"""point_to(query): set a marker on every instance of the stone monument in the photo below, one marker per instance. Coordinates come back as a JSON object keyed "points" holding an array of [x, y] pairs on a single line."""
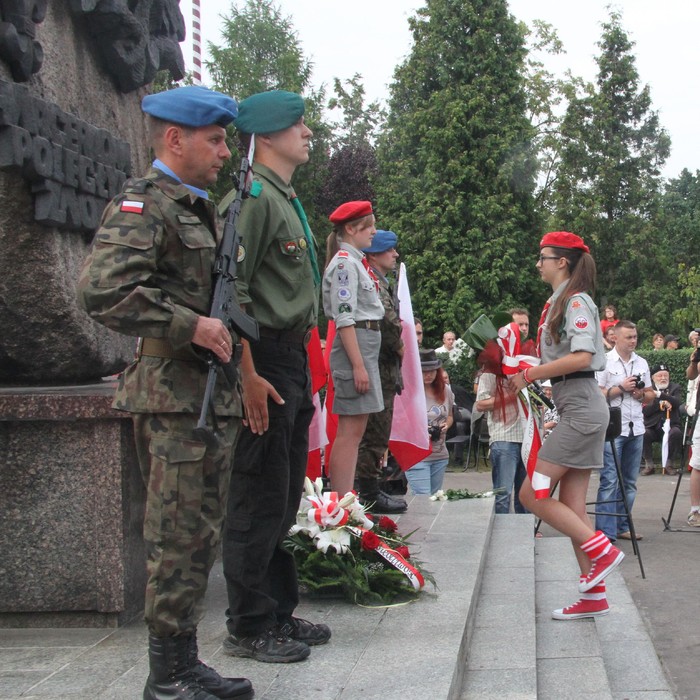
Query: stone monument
{"points": [[72, 76]]}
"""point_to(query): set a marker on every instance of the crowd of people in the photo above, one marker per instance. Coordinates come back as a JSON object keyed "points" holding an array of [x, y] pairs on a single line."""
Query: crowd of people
{"points": [[150, 274]]}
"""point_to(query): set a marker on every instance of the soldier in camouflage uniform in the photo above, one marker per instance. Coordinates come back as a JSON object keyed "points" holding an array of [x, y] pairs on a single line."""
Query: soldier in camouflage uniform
{"points": [[382, 257], [149, 274]]}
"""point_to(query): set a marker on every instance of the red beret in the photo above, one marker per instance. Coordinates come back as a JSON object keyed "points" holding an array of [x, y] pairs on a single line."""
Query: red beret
{"points": [[351, 211], [563, 239]]}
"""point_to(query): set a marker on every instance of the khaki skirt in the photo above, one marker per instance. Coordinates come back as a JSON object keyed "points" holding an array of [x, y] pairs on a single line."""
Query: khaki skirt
{"points": [[347, 401], [579, 438]]}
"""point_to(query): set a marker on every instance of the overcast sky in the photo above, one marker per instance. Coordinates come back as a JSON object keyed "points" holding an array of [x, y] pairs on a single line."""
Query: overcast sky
{"points": [[371, 37]]}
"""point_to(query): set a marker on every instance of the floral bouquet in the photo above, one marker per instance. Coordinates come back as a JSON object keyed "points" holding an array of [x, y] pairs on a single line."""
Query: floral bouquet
{"points": [[340, 549]]}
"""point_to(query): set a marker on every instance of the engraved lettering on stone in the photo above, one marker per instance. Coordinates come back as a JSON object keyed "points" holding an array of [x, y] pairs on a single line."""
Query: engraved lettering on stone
{"points": [[74, 167]]}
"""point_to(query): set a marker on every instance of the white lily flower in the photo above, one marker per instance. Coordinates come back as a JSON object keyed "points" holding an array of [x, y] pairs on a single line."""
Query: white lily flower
{"points": [[308, 486], [347, 500], [337, 538], [318, 486]]}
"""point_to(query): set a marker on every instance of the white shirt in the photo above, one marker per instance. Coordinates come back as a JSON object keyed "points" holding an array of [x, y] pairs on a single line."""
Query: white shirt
{"points": [[615, 372]]}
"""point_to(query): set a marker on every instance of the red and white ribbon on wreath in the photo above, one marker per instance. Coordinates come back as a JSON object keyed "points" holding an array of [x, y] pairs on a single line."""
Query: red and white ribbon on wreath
{"points": [[327, 512], [395, 559], [512, 363]]}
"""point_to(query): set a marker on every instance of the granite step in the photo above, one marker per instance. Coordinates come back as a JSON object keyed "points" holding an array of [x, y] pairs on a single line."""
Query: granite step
{"points": [[607, 657]]}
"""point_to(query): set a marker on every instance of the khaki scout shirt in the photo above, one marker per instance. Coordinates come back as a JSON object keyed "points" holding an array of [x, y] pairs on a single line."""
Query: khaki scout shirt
{"points": [[580, 331], [349, 293], [149, 274], [275, 278]]}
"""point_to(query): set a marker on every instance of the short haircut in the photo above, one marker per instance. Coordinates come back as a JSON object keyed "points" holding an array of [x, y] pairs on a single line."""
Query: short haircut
{"points": [[518, 310], [625, 324]]}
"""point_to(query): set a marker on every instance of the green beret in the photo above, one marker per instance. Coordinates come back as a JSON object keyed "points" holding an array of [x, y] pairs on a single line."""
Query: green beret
{"points": [[267, 112], [191, 105]]}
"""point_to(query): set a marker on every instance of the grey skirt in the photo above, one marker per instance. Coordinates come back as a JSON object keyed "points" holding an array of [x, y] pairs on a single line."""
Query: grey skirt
{"points": [[347, 401], [579, 438]]}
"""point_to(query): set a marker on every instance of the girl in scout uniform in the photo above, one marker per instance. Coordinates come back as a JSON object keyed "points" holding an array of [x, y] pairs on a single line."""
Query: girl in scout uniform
{"points": [[351, 300], [570, 343]]}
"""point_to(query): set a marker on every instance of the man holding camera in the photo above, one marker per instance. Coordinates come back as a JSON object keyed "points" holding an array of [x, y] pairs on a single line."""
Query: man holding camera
{"points": [[666, 401], [625, 381]]}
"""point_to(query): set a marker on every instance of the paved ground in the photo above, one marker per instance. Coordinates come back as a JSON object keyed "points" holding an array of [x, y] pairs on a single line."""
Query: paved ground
{"points": [[665, 598]]}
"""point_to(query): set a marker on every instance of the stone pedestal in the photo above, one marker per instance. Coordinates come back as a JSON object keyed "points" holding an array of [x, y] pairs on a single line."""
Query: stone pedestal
{"points": [[71, 509]]}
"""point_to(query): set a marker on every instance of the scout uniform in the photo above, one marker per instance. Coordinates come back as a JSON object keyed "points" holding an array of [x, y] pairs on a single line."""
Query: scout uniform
{"points": [[149, 274], [376, 437], [579, 438], [351, 298], [278, 284]]}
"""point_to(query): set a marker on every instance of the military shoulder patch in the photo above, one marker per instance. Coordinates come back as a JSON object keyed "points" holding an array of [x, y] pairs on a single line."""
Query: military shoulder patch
{"points": [[131, 206], [581, 322], [256, 188], [240, 256], [343, 254]]}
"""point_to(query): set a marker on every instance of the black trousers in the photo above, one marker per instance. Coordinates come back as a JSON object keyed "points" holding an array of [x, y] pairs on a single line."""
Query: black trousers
{"points": [[675, 440], [267, 480]]}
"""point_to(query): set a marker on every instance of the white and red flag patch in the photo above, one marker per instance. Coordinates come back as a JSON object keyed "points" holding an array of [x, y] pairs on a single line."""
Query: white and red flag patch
{"points": [[131, 206]]}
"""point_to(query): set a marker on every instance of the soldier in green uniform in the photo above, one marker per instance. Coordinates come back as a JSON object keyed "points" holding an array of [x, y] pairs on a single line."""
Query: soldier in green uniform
{"points": [[278, 284], [149, 274], [382, 257]]}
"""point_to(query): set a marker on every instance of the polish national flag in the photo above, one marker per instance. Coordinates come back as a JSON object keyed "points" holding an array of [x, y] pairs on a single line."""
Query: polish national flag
{"points": [[317, 431], [409, 442]]}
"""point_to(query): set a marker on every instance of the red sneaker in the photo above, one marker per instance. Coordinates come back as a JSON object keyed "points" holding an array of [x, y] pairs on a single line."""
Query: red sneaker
{"points": [[601, 567], [583, 608]]}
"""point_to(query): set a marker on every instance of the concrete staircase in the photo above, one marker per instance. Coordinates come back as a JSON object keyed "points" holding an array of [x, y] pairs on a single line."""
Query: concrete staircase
{"points": [[518, 651]]}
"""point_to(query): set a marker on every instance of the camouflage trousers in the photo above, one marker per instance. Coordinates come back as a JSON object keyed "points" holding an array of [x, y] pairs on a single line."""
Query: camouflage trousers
{"points": [[376, 437], [186, 490]]}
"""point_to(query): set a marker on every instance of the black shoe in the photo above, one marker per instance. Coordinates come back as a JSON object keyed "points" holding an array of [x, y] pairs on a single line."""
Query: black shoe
{"points": [[270, 647], [305, 631], [383, 503], [211, 681], [377, 501], [171, 676]]}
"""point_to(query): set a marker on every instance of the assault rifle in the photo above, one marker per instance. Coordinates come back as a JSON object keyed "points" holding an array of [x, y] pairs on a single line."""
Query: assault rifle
{"points": [[225, 306]]}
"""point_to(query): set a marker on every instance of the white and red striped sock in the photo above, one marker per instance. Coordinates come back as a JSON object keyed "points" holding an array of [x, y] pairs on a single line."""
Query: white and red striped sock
{"points": [[595, 593], [596, 546]]}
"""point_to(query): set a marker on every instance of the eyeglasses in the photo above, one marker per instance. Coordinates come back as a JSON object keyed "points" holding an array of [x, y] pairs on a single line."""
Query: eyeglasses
{"points": [[542, 258]]}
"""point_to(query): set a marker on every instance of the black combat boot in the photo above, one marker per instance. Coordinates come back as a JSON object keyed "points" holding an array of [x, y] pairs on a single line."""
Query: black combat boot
{"points": [[171, 676], [375, 500], [210, 680]]}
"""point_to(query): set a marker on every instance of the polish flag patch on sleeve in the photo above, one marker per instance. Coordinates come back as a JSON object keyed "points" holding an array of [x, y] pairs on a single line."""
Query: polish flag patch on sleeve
{"points": [[131, 206]]}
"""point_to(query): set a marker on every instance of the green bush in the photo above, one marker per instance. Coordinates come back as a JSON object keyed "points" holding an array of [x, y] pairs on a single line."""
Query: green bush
{"points": [[677, 361]]}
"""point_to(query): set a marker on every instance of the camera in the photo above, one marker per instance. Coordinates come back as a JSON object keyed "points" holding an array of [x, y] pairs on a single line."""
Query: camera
{"points": [[434, 431], [638, 381]]}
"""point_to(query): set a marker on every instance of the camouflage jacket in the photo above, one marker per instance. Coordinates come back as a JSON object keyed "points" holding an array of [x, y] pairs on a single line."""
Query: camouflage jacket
{"points": [[149, 274], [389, 358]]}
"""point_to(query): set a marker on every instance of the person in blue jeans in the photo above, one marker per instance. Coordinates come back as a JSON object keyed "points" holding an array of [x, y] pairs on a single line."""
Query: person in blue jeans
{"points": [[626, 383], [505, 441]]}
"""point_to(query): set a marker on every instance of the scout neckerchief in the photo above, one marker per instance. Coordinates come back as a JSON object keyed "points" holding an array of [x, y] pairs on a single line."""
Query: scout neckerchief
{"points": [[541, 325], [309, 238], [370, 272]]}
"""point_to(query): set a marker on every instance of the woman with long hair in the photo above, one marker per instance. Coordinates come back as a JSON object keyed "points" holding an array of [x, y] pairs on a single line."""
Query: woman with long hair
{"points": [[570, 344], [427, 476], [351, 300]]}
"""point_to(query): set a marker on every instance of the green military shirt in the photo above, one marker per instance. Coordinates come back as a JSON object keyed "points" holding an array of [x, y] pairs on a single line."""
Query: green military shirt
{"points": [[149, 274], [275, 277]]}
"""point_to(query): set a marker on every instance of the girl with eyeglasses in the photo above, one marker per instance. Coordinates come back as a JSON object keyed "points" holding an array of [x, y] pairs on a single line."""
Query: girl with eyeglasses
{"points": [[570, 344]]}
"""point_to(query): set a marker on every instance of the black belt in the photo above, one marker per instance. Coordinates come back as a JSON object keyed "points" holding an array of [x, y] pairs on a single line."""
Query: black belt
{"points": [[573, 375], [283, 336], [369, 325]]}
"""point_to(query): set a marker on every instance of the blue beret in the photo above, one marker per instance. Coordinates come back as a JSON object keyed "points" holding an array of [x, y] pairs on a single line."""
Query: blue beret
{"points": [[267, 112], [382, 241], [192, 105]]}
